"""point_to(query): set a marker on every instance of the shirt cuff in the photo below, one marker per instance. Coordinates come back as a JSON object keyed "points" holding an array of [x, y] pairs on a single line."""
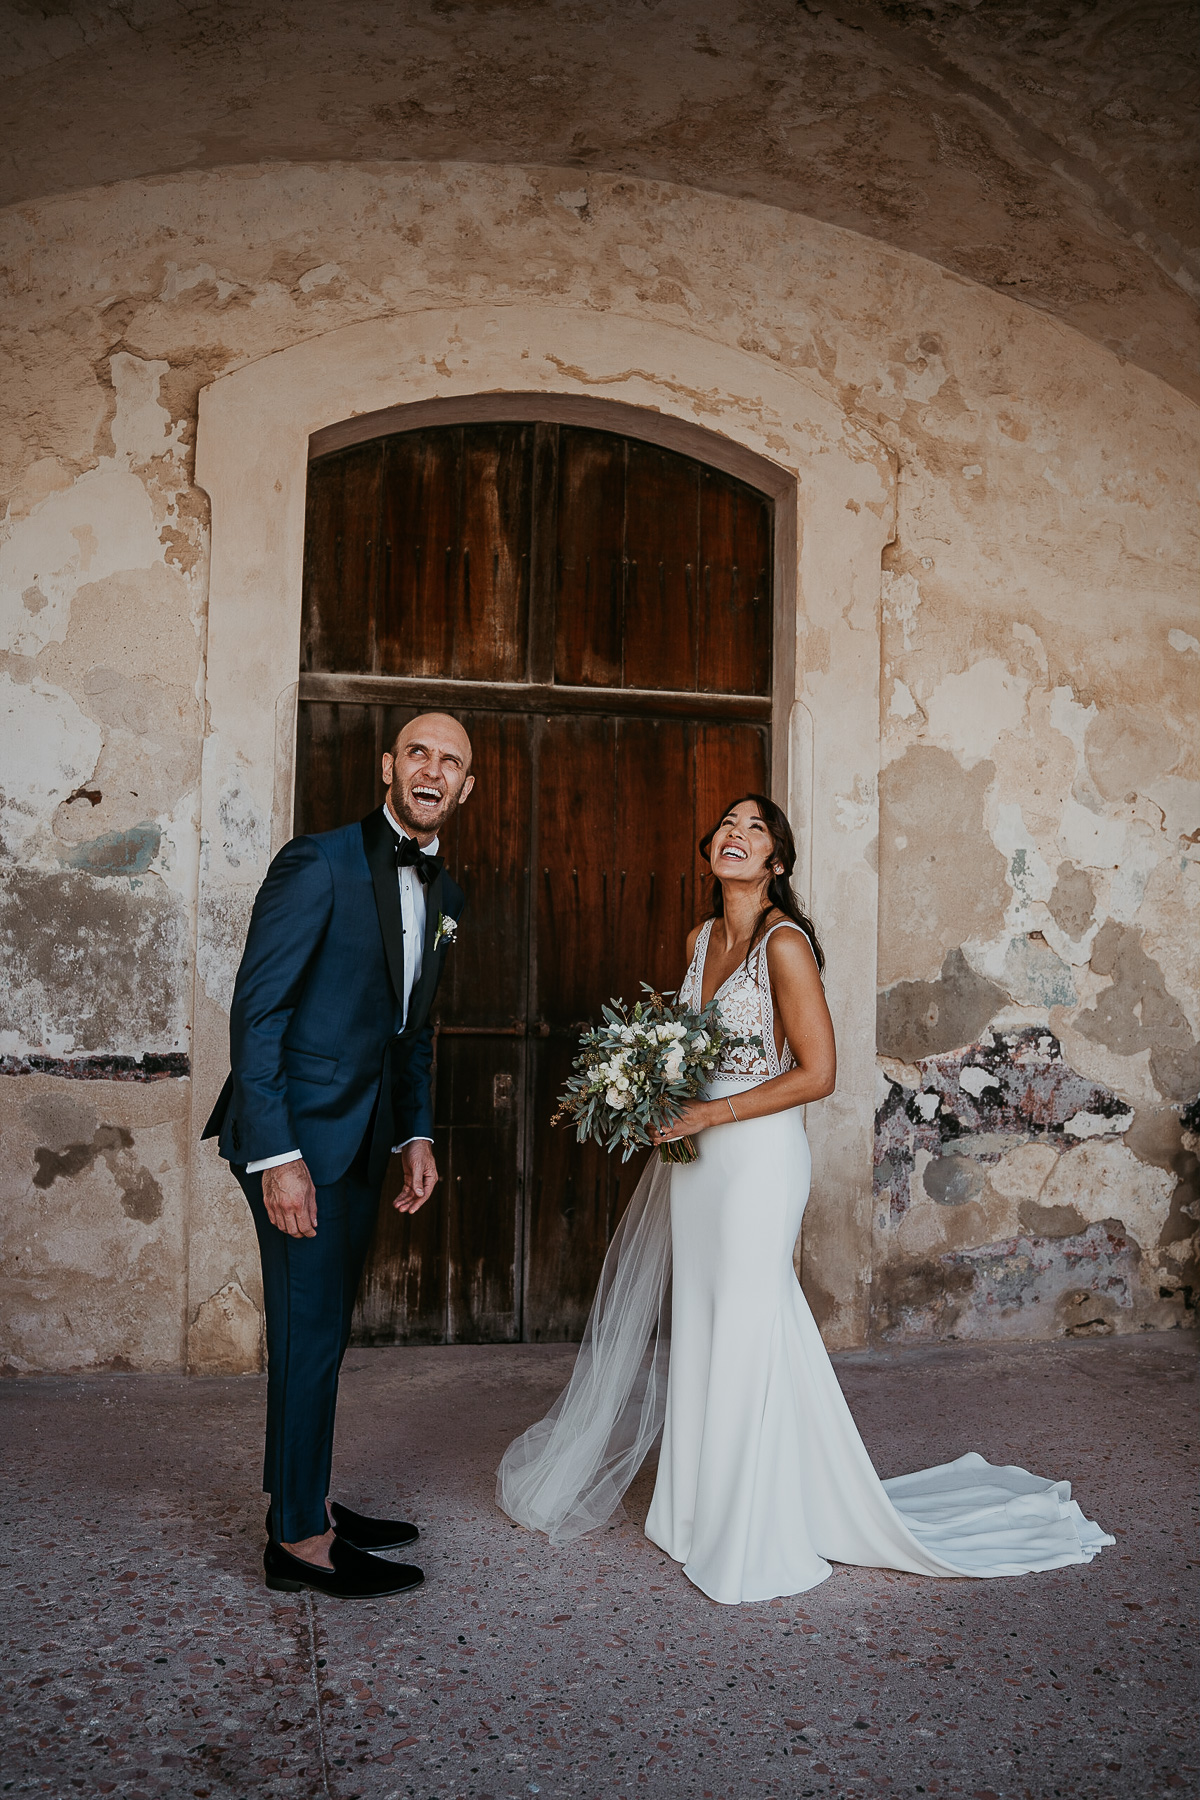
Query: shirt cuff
{"points": [[397, 1148], [275, 1162]]}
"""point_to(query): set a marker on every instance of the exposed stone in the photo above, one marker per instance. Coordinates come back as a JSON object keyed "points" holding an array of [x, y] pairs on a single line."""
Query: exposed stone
{"points": [[1051, 1221], [1157, 1136], [1097, 1178], [175, 1065], [1084, 1312], [952, 1180], [991, 1163], [924, 1299], [226, 1334], [1050, 1277]]}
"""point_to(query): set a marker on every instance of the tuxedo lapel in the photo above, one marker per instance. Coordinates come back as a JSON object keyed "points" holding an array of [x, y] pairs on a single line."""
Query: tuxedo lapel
{"points": [[379, 842], [422, 995]]}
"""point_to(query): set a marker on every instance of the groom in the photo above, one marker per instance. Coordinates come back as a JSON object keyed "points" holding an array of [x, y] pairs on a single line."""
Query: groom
{"points": [[331, 1052]]}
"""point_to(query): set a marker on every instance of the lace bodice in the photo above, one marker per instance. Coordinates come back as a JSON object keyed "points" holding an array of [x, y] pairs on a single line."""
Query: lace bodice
{"points": [[744, 1002]]}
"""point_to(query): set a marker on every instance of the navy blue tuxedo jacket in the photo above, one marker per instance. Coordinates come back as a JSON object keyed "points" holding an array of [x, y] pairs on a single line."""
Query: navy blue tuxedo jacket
{"points": [[315, 1036]]}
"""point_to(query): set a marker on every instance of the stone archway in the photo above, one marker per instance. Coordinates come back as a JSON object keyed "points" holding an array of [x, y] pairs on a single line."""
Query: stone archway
{"points": [[834, 492]]}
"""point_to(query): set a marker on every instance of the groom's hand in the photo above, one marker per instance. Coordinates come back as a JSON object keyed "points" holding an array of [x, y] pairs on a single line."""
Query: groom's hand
{"points": [[291, 1199], [420, 1176]]}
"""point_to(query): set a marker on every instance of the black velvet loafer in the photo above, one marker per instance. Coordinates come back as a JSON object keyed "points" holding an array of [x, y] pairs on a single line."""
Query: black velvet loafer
{"points": [[367, 1534], [354, 1575], [371, 1534]]}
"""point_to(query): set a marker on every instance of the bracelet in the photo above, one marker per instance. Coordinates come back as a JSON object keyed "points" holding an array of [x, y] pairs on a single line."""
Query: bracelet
{"points": [[729, 1104]]}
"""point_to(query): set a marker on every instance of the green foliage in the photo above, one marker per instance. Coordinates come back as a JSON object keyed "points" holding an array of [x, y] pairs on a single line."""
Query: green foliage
{"points": [[636, 1072]]}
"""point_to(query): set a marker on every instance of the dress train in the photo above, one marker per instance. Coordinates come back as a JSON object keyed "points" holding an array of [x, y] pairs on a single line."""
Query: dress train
{"points": [[700, 1331]]}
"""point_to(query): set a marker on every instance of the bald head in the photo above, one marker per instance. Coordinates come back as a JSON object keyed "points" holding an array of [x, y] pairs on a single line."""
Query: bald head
{"points": [[434, 726], [428, 773]]}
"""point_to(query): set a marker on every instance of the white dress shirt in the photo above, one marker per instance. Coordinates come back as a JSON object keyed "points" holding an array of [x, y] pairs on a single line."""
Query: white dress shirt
{"points": [[412, 917]]}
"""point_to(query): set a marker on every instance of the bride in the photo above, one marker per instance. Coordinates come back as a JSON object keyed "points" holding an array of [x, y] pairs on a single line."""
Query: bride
{"points": [[700, 1330]]}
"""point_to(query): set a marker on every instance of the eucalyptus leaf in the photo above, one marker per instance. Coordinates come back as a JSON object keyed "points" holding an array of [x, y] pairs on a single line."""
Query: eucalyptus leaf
{"points": [[635, 1073]]}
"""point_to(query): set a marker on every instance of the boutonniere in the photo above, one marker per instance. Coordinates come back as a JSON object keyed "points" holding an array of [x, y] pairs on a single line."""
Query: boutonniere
{"points": [[447, 930]]}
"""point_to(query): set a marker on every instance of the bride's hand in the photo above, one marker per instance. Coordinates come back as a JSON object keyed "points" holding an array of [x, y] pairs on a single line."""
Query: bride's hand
{"points": [[696, 1117]]}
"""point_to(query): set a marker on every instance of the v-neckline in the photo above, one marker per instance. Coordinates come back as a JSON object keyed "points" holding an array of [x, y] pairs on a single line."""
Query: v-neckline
{"points": [[717, 991]]}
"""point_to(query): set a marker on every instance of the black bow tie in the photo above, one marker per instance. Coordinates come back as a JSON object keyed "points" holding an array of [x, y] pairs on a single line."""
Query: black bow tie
{"points": [[409, 855]]}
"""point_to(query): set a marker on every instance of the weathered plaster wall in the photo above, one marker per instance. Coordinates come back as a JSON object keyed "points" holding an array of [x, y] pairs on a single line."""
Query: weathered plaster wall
{"points": [[1039, 885], [1037, 845], [93, 1192], [1039, 147]]}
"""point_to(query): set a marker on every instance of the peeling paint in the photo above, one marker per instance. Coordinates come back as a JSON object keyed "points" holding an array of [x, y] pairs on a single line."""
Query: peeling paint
{"points": [[50, 747], [917, 1019], [1079, 1281], [119, 852], [969, 711], [1009, 1133], [92, 1222], [99, 527], [1010, 1085], [1072, 902], [141, 1196], [91, 965], [1136, 1012], [174, 1066], [942, 882]]}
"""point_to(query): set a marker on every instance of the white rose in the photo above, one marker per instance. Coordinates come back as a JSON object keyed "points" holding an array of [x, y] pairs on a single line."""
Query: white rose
{"points": [[700, 1041], [678, 1031], [673, 1065], [615, 1099]]}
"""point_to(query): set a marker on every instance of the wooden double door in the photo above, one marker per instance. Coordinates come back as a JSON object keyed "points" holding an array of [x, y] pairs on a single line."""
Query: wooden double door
{"points": [[598, 613]]}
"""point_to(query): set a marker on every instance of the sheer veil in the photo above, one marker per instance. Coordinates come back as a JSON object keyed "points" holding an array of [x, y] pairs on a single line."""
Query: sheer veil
{"points": [[569, 1472]]}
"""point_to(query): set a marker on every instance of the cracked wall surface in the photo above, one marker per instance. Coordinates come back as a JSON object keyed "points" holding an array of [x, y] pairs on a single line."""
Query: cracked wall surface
{"points": [[1036, 818]]}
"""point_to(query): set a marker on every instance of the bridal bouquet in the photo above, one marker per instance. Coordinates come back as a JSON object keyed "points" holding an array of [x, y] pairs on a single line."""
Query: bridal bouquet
{"points": [[637, 1071]]}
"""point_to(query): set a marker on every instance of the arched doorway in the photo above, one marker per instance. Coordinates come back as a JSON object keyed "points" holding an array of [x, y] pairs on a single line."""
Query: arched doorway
{"points": [[598, 611]]}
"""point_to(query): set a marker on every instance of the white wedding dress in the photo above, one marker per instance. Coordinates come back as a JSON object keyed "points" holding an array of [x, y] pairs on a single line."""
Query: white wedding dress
{"points": [[700, 1330]]}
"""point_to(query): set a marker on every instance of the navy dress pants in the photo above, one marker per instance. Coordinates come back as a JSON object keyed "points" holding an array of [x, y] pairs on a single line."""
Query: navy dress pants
{"points": [[309, 1288]]}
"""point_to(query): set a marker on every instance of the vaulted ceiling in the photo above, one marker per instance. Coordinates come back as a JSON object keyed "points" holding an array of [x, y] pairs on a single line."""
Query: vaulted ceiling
{"points": [[1044, 149]]}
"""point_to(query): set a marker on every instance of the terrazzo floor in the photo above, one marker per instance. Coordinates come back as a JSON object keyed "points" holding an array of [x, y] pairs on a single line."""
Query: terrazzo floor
{"points": [[143, 1656]]}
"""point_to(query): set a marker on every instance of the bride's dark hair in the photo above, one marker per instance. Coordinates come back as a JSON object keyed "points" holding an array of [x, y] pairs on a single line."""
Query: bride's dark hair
{"points": [[779, 888]]}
